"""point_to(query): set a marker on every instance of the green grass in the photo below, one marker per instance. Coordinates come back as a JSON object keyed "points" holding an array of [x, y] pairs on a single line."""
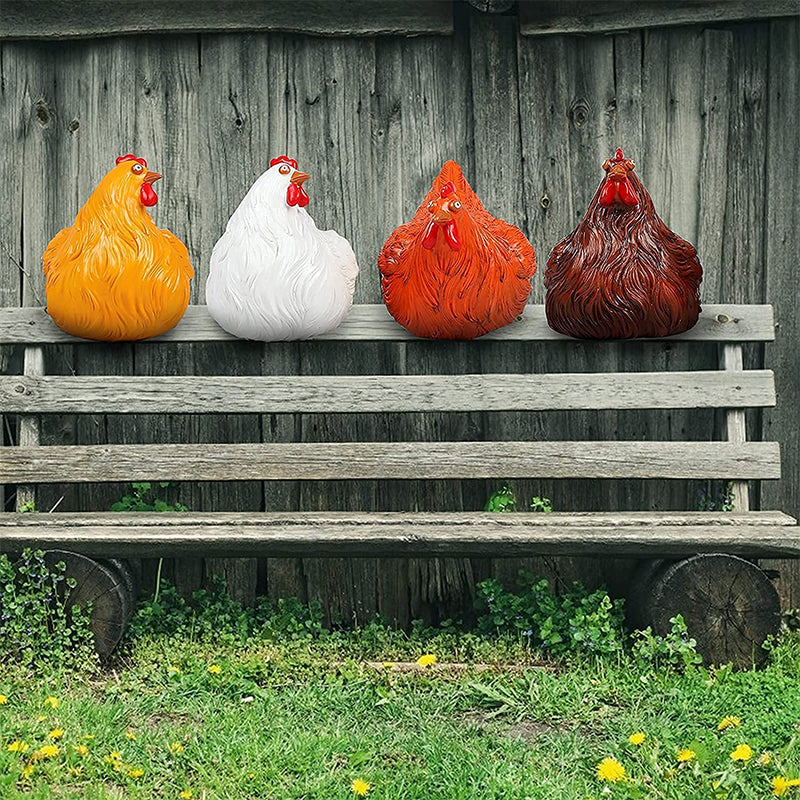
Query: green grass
{"points": [[303, 720]]}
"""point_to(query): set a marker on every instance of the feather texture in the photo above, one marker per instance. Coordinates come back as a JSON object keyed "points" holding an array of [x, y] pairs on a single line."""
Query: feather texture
{"points": [[274, 275], [471, 277], [113, 275], [622, 273]]}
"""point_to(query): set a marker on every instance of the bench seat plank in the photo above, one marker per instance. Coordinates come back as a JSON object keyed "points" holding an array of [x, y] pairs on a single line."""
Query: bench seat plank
{"points": [[663, 534], [389, 460], [193, 394], [717, 323]]}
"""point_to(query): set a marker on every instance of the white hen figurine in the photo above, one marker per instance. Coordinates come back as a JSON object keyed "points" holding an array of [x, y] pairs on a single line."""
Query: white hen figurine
{"points": [[275, 275]]}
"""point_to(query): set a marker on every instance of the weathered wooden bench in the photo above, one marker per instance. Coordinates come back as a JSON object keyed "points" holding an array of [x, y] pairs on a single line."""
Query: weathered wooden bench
{"points": [[729, 603]]}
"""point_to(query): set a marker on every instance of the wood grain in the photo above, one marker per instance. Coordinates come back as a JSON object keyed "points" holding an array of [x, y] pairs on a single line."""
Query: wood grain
{"points": [[394, 460], [539, 17], [63, 19], [781, 245], [717, 323], [479, 534], [28, 428], [216, 394], [735, 422], [238, 519], [374, 119]]}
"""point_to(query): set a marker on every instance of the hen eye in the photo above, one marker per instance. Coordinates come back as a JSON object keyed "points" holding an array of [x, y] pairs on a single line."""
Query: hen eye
{"points": [[431, 205], [455, 205], [137, 169], [285, 169]]}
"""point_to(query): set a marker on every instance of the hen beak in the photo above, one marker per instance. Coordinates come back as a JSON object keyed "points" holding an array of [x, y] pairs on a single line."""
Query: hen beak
{"points": [[152, 177], [298, 178], [441, 215]]}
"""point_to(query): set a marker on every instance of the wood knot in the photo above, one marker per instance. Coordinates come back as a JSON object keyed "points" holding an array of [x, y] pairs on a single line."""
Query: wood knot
{"points": [[19, 389], [544, 201], [73, 125], [42, 113], [724, 319], [579, 112]]}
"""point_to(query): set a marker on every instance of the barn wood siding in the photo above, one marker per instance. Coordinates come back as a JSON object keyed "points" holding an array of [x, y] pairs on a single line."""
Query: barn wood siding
{"points": [[708, 114]]}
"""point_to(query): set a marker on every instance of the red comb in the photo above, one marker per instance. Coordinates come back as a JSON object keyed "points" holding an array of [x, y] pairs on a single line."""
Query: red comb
{"points": [[618, 155], [447, 189], [131, 157], [284, 160]]}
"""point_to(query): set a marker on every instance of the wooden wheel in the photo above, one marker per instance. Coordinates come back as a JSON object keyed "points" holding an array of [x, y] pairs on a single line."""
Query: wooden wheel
{"points": [[126, 573], [104, 586], [729, 606]]}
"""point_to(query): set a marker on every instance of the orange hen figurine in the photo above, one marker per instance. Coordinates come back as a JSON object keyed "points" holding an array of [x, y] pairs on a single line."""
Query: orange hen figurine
{"points": [[115, 276], [454, 271]]}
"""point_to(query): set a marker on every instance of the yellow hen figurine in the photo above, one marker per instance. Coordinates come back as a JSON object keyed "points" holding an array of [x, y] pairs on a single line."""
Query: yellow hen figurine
{"points": [[115, 276]]}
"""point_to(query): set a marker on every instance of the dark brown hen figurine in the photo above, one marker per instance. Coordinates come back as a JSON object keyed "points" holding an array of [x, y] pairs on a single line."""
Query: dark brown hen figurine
{"points": [[622, 273]]}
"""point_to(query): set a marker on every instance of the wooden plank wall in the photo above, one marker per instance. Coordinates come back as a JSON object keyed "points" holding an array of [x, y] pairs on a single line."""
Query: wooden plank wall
{"points": [[709, 115]]}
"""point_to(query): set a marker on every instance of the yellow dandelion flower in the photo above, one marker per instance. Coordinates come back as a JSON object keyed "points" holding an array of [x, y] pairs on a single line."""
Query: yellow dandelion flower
{"points": [[81, 750], [135, 772], [729, 722], [3, 699], [609, 769], [26, 772], [56, 733], [215, 669], [360, 787], [428, 660], [764, 759], [176, 747], [742, 753], [685, 756], [129, 734], [17, 746], [252, 776], [779, 786], [637, 738], [45, 751], [173, 670], [52, 702], [185, 794]]}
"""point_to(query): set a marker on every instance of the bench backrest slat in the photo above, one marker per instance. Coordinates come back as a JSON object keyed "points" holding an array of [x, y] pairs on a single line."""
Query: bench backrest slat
{"points": [[387, 460], [384, 393], [718, 323]]}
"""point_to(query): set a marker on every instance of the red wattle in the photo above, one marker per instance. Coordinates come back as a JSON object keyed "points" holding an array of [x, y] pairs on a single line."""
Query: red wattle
{"points": [[451, 235], [627, 193], [297, 196], [608, 193], [429, 237], [148, 195]]}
